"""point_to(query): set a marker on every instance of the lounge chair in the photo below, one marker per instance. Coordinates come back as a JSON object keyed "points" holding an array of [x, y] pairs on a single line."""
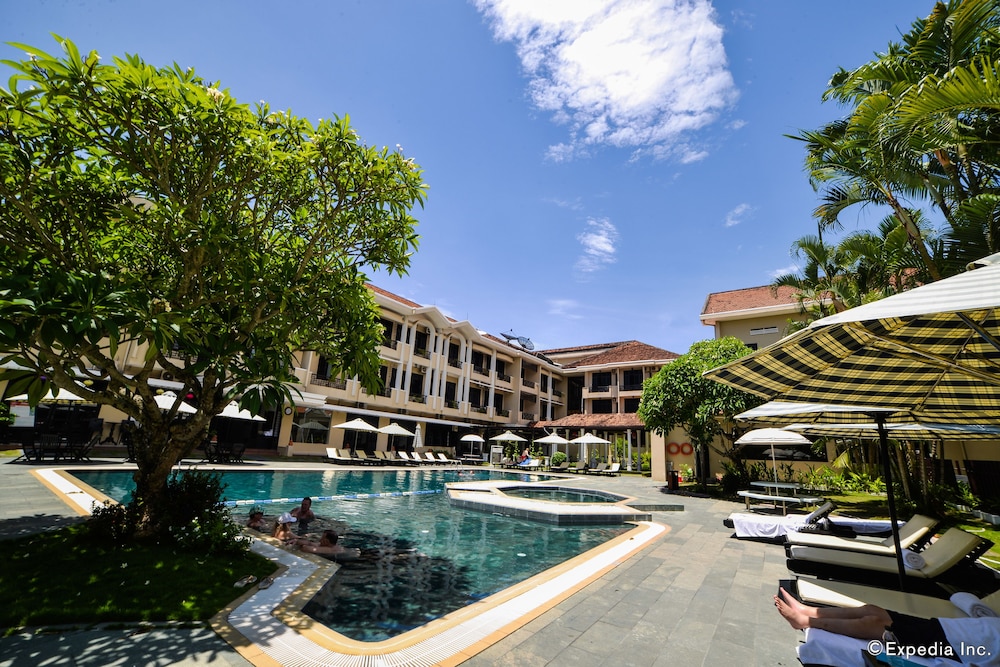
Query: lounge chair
{"points": [[612, 469], [912, 534], [411, 458], [334, 456], [430, 458], [846, 594], [444, 459], [598, 469], [562, 467], [363, 458], [954, 547]]}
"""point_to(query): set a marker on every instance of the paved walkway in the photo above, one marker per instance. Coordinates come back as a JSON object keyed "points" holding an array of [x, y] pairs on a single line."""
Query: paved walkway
{"points": [[695, 597]]}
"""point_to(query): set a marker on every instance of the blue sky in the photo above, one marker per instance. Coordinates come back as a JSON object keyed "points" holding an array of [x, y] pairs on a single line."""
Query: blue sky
{"points": [[596, 167]]}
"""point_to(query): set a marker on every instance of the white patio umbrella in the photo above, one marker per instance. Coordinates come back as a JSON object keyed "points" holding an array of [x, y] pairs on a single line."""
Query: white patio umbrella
{"points": [[166, 402], [507, 436], [553, 439], [233, 411], [588, 439], [55, 394], [356, 424], [774, 437], [471, 437], [393, 430]]}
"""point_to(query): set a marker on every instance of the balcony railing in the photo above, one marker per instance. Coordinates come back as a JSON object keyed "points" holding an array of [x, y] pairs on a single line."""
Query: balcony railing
{"points": [[421, 352], [384, 391], [481, 370], [557, 393], [418, 398], [631, 387], [479, 409], [530, 384], [528, 416], [451, 404], [390, 343], [503, 413], [176, 354], [600, 389], [503, 377], [455, 363], [335, 383]]}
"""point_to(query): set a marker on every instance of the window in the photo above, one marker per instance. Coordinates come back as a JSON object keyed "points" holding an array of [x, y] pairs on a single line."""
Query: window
{"points": [[601, 407], [632, 380], [323, 368], [632, 404], [761, 331], [545, 382], [600, 382]]}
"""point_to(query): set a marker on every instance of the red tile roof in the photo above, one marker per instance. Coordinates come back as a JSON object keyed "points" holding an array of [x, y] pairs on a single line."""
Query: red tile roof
{"points": [[582, 348], [628, 352], [618, 421], [748, 298], [394, 297]]}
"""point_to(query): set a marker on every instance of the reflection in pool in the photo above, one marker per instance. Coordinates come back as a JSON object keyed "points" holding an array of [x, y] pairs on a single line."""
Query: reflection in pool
{"points": [[421, 558], [561, 494]]}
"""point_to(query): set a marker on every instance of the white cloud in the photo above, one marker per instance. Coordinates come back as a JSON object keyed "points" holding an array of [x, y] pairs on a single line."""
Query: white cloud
{"points": [[598, 241], [737, 215], [791, 269], [564, 308], [571, 204], [624, 73]]}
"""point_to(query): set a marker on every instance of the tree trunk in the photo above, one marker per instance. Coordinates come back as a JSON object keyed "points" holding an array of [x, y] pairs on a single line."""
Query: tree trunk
{"points": [[157, 450]]}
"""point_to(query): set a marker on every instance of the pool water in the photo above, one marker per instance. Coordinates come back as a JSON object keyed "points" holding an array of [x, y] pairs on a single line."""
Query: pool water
{"points": [[422, 558], [562, 495]]}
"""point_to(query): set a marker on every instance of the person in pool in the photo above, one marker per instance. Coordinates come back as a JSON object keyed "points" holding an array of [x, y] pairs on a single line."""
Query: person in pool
{"points": [[256, 520], [304, 514], [328, 546], [283, 529]]}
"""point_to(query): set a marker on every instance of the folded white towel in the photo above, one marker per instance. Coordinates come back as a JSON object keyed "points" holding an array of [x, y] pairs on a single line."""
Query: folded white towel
{"points": [[912, 560], [972, 605]]}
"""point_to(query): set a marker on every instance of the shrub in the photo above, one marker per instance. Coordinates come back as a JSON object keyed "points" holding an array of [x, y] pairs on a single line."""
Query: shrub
{"points": [[558, 458], [195, 517]]}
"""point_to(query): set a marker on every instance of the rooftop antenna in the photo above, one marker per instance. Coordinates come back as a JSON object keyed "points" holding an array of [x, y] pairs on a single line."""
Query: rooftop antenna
{"points": [[523, 341]]}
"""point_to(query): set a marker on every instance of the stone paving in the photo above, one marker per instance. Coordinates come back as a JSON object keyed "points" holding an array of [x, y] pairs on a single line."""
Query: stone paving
{"points": [[698, 596]]}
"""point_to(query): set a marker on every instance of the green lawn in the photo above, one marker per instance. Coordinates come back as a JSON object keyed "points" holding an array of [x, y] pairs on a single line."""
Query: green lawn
{"points": [[64, 577]]}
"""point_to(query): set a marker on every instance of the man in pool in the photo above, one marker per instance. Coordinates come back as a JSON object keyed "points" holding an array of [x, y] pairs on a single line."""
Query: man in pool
{"points": [[328, 546], [303, 514]]}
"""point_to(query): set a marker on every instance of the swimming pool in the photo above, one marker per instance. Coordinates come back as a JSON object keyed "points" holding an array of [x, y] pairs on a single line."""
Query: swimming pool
{"points": [[424, 559]]}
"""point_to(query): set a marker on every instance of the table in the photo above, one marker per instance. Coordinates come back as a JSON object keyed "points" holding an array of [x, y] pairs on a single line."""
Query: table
{"points": [[784, 493]]}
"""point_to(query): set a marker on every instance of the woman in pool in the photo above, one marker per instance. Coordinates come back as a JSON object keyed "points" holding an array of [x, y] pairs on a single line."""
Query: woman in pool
{"points": [[283, 529], [328, 546]]}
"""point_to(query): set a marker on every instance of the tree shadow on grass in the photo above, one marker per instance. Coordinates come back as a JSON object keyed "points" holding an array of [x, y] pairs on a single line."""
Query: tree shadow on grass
{"points": [[37, 523]]}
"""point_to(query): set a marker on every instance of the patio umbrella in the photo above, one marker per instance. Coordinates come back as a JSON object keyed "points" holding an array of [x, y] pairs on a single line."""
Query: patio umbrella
{"points": [[357, 424], [471, 437], [553, 439], [773, 437], [54, 395], [166, 402], [588, 439], [233, 411], [930, 354], [507, 436], [393, 430]]}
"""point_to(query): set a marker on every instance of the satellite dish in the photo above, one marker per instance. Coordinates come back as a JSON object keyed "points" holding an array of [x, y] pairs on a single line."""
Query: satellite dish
{"points": [[523, 341]]}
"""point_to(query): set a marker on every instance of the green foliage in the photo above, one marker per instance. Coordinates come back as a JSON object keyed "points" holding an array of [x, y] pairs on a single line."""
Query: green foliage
{"points": [[824, 478], [143, 581], [145, 206], [558, 457], [194, 517], [678, 395]]}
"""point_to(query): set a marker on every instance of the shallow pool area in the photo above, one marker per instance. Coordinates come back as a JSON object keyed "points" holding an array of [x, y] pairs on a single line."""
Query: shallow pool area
{"points": [[562, 494], [423, 558]]}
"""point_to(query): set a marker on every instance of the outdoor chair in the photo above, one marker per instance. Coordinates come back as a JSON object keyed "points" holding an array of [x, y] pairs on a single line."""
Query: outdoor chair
{"points": [[598, 469], [236, 452], [612, 470], [912, 534], [562, 467], [334, 456], [846, 594], [953, 548], [444, 459]]}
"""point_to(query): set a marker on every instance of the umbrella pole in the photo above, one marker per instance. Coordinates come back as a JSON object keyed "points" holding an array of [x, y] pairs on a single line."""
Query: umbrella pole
{"points": [[883, 439]]}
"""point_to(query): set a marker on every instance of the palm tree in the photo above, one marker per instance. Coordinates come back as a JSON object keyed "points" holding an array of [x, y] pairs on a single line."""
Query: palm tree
{"points": [[923, 125]]}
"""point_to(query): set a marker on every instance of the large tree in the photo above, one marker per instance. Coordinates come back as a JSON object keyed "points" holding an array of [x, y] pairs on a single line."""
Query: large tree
{"points": [[678, 395], [145, 208]]}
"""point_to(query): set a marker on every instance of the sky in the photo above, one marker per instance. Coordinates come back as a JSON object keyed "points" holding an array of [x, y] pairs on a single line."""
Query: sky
{"points": [[596, 168]]}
